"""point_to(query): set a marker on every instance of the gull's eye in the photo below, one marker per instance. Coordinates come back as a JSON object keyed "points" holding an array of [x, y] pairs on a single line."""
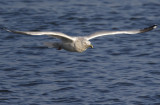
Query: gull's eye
{"points": [[86, 43]]}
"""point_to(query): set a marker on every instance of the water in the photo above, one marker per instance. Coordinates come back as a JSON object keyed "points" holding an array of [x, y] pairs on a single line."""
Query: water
{"points": [[120, 70]]}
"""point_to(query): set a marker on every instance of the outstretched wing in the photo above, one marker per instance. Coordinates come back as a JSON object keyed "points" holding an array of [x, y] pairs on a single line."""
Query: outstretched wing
{"points": [[58, 35], [103, 33]]}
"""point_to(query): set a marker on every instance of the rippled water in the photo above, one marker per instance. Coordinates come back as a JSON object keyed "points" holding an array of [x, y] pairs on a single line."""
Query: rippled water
{"points": [[120, 70]]}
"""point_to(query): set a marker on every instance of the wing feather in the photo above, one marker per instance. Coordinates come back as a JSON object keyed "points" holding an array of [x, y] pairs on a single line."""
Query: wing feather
{"points": [[58, 35], [103, 33]]}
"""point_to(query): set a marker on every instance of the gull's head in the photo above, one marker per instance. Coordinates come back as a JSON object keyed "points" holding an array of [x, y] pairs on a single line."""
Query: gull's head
{"points": [[82, 44], [87, 44]]}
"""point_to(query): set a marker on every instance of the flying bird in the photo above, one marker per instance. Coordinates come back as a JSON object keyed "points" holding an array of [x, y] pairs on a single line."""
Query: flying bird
{"points": [[78, 43]]}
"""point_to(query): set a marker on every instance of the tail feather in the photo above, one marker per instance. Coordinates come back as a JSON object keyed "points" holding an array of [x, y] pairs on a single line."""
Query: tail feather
{"points": [[52, 45]]}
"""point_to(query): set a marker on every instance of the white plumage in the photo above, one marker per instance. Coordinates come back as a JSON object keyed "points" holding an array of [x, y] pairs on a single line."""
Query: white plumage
{"points": [[78, 44]]}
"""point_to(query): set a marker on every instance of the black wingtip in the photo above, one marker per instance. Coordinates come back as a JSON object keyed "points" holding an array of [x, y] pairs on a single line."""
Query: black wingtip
{"points": [[4, 28], [154, 26], [148, 28]]}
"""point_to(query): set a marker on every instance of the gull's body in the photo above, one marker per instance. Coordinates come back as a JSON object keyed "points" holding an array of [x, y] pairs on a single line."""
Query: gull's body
{"points": [[78, 44]]}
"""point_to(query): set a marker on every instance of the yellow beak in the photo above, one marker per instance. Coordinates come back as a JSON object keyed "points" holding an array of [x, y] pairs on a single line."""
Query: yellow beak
{"points": [[91, 46]]}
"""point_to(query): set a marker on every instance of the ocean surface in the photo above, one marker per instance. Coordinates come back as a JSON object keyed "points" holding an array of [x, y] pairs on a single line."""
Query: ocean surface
{"points": [[119, 70]]}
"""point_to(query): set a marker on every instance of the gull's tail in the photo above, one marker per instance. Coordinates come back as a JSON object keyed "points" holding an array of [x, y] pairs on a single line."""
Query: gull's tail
{"points": [[52, 45]]}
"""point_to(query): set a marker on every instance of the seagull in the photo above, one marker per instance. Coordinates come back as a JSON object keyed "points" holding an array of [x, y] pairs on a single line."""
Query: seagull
{"points": [[78, 43]]}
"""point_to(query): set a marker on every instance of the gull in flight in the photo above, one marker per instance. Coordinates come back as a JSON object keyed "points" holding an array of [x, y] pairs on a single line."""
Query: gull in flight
{"points": [[79, 43]]}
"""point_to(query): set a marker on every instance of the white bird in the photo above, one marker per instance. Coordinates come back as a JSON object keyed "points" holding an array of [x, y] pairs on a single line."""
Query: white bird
{"points": [[79, 43]]}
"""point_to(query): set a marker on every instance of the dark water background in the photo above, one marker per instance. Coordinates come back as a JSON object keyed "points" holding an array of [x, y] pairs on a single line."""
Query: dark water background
{"points": [[120, 70]]}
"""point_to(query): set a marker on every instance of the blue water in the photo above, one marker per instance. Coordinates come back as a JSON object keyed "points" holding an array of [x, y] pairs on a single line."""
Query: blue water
{"points": [[119, 70]]}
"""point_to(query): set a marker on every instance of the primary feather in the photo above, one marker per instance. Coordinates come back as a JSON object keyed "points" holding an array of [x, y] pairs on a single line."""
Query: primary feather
{"points": [[103, 33]]}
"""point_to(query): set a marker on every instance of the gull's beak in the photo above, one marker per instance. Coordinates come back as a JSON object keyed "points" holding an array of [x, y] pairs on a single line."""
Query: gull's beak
{"points": [[91, 46]]}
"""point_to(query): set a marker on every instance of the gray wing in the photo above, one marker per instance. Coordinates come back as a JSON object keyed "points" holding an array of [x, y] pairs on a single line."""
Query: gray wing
{"points": [[103, 33], [58, 35]]}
